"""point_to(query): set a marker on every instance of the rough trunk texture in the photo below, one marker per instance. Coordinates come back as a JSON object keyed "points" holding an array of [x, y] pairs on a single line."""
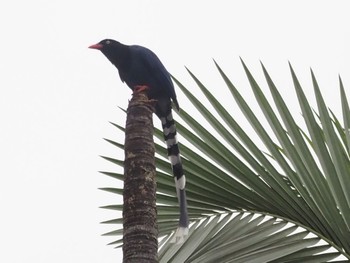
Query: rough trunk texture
{"points": [[140, 236]]}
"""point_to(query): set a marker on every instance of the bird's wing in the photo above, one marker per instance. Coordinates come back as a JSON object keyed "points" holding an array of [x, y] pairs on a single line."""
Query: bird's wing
{"points": [[155, 66]]}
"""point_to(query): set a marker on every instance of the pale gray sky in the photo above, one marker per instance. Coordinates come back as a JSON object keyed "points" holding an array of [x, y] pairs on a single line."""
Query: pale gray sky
{"points": [[57, 97]]}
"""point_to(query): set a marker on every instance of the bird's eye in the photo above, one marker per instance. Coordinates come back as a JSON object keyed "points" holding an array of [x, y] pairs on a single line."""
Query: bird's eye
{"points": [[108, 42]]}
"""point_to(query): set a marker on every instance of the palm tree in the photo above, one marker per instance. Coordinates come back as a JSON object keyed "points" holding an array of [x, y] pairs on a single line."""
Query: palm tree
{"points": [[287, 201]]}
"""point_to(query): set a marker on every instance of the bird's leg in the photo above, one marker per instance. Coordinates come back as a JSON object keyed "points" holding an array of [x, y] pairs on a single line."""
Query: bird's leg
{"points": [[140, 88]]}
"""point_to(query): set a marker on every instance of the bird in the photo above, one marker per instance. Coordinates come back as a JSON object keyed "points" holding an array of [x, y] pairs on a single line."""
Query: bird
{"points": [[142, 70]]}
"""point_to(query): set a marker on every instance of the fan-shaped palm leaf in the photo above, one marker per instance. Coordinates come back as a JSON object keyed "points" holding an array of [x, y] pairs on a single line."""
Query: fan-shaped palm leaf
{"points": [[241, 201]]}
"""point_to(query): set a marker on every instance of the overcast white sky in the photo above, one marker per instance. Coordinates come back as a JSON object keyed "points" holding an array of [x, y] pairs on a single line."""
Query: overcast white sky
{"points": [[57, 97]]}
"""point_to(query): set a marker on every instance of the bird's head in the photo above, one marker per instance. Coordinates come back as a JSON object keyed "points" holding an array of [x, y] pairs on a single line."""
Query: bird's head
{"points": [[113, 50], [105, 45]]}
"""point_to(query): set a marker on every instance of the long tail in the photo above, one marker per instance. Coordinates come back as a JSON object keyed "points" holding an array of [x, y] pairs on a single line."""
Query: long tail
{"points": [[169, 130]]}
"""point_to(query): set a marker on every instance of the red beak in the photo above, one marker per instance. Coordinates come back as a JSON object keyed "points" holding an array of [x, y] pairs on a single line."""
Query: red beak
{"points": [[96, 46]]}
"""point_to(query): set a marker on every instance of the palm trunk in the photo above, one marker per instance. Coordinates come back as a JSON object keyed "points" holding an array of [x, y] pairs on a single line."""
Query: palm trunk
{"points": [[140, 236]]}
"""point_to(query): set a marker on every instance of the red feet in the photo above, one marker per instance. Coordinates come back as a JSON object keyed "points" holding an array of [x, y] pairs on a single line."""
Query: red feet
{"points": [[140, 88]]}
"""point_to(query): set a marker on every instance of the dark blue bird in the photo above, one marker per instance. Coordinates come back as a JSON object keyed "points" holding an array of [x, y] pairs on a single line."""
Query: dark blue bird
{"points": [[141, 69]]}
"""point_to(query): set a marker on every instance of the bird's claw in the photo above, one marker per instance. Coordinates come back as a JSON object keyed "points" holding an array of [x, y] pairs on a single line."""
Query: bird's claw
{"points": [[140, 88]]}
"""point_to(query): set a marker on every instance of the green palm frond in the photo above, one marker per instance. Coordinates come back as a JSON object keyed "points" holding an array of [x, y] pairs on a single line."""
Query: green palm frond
{"points": [[245, 202], [245, 237]]}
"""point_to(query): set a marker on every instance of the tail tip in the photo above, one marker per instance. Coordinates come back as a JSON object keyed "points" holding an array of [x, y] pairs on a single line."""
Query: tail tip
{"points": [[180, 234]]}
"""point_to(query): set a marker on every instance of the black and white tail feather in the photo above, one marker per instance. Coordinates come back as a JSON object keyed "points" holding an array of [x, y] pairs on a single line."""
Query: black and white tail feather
{"points": [[170, 137]]}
